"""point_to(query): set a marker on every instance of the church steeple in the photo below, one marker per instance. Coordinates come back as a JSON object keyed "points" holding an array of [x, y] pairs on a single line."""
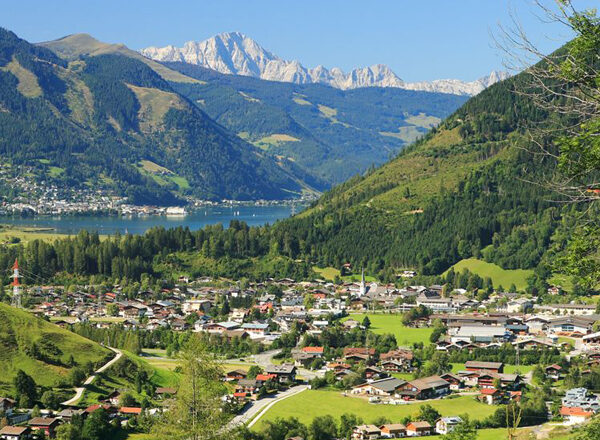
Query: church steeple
{"points": [[363, 287]]}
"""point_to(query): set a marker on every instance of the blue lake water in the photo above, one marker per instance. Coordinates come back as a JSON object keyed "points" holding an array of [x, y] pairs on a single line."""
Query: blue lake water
{"points": [[252, 215]]}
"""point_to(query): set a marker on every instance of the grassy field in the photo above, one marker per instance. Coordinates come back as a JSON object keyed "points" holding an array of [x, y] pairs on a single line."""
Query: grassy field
{"points": [[20, 329], [159, 377], [508, 369], [312, 403], [408, 133], [8, 233], [328, 273], [393, 324], [499, 276]]}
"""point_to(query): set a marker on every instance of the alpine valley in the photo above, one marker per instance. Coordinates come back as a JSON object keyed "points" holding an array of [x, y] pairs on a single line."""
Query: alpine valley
{"points": [[79, 115]]}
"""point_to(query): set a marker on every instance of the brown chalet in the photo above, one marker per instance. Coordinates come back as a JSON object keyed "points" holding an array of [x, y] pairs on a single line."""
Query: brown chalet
{"points": [[396, 361], [15, 433], [46, 424], [495, 367], [235, 375], [418, 429], [424, 388], [358, 354]]}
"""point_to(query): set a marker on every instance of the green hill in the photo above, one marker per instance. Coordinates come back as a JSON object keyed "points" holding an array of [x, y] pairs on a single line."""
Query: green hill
{"points": [[20, 331], [90, 119], [463, 188], [499, 276]]}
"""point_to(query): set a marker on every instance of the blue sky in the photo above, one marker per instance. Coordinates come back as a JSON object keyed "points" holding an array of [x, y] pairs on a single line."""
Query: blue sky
{"points": [[418, 39]]}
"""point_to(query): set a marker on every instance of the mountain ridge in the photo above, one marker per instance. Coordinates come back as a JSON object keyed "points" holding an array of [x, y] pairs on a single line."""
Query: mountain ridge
{"points": [[234, 53], [99, 118]]}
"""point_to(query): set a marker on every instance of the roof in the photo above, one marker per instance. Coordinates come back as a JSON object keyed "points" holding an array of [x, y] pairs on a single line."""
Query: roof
{"points": [[43, 421], [130, 410], [484, 365], [165, 390], [574, 411], [487, 330], [489, 391], [280, 369], [228, 324], [419, 425], [388, 384], [313, 350], [393, 427], [14, 430], [429, 382], [453, 420], [265, 377], [371, 429]]}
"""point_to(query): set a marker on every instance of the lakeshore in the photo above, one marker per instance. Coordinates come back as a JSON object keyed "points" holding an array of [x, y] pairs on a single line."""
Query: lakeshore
{"points": [[253, 215]]}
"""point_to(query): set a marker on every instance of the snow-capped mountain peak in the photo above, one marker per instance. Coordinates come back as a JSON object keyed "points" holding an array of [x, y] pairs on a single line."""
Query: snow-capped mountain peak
{"points": [[235, 53]]}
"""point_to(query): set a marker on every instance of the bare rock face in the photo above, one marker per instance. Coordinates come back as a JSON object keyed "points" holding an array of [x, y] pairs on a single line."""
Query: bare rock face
{"points": [[236, 54]]}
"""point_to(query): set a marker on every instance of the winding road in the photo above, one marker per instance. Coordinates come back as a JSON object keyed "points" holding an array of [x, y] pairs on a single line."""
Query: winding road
{"points": [[79, 390]]}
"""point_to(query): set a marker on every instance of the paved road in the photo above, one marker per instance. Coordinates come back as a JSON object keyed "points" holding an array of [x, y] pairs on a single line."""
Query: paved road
{"points": [[260, 407], [79, 391]]}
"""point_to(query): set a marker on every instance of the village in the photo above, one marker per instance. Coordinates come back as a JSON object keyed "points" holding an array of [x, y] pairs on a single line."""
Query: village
{"points": [[291, 325]]}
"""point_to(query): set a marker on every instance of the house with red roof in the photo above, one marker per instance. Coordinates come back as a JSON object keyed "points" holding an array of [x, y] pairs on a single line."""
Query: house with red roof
{"points": [[574, 415]]}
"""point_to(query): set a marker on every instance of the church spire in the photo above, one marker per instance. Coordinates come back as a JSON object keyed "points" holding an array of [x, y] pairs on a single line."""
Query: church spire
{"points": [[363, 287]]}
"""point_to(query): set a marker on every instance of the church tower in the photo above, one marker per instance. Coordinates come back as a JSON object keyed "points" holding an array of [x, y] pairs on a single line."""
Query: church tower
{"points": [[363, 287]]}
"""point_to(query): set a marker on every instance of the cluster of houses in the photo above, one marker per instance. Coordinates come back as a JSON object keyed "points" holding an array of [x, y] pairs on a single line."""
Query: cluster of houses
{"points": [[494, 385], [21, 424], [442, 426], [525, 331], [250, 388]]}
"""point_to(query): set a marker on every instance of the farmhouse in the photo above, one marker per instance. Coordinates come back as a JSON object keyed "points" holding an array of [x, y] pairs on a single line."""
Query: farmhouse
{"points": [[480, 334], [381, 387], [46, 424], [366, 432], [575, 416], [447, 424], [397, 361], [418, 429], [424, 388], [15, 433], [393, 430], [496, 367], [284, 373]]}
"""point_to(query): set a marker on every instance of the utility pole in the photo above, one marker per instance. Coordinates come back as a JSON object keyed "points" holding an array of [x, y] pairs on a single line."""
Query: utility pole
{"points": [[16, 297]]}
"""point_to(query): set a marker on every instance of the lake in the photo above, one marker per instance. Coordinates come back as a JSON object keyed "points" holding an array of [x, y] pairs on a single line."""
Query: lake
{"points": [[252, 215]]}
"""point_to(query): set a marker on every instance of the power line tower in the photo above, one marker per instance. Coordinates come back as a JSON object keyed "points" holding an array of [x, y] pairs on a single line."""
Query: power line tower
{"points": [[16, 296]]}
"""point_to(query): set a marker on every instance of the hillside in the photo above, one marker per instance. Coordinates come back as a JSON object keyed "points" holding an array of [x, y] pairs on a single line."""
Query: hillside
{"points": [[97, 122], [20, 331], [462, 188], [331, 133]]}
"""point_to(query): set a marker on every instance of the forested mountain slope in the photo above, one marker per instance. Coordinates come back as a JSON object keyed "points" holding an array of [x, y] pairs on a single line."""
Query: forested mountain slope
{"points": [[331, 133], [111, 122], [461, 189]]}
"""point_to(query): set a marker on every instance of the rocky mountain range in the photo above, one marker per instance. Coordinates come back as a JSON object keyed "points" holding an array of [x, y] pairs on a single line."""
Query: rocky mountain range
{"points": [[236, 54]]}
